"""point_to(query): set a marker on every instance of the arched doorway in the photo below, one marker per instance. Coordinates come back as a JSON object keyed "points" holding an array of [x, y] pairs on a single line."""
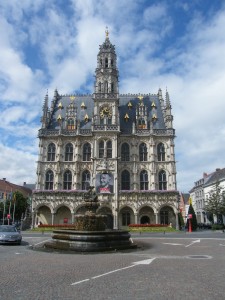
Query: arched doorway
{"points": [[63, 216], [126, 216], [145, 220], [167, 216], [43, 216]]}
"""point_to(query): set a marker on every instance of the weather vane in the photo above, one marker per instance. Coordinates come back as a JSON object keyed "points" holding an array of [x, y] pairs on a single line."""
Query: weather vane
{"points": [[107, 32]]}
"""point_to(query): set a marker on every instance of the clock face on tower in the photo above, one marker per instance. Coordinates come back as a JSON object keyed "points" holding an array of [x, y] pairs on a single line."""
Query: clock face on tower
{"points": [[105, 112]]}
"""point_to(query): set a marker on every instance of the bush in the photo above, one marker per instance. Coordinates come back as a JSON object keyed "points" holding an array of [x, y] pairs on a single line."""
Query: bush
{"points": [[217, 227], [148, 225]]}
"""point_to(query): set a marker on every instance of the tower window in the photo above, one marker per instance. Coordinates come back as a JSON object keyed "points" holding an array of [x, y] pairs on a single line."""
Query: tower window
{"points": [[69, 152], [162, 180], [109, 149], [143, 152], [111, 62], [161, 152], [126, 218], [101, 149], [125, 152], [51, 152], [125, 180], [87, 152], [67, 180], [112, 87], [70, 124], [106, 63], [86, 180], [144, 180], [49, 178]]}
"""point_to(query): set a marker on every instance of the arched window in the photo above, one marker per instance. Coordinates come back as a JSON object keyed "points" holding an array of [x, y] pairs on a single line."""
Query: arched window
{"points": [[112, 87], [162, 180], [111, 62], [69, 152], [99, 86], [109, 149], [67, 180], [49, 178], [101, 149], [125, 218], [51, 152], [87, 152], [125, 152], [125, 180], [106, 62], [86, 180], [161, 152], [70, 124], [143, 152], [144, 180], [106, 86]]}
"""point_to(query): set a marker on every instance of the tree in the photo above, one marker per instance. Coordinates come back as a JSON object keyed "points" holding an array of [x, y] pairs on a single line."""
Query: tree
{"points": [[216, 202], [194, 224], [21, 205], [180, 220]]}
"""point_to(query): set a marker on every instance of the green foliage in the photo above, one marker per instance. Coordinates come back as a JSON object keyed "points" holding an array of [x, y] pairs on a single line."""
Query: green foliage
{"points": [[217, 227], [180, 220], [216, 202], [194, 224], [20, 204]]}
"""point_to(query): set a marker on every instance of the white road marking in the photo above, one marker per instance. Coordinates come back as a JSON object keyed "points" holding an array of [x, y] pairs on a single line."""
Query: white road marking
{"points": [[42, 242], [222, 245], [80, 281], [173, 244], [196, 241], [134, 264]]}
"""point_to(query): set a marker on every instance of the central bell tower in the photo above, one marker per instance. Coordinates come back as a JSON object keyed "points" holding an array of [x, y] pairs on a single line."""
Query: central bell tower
{"points": [[106, 90]]}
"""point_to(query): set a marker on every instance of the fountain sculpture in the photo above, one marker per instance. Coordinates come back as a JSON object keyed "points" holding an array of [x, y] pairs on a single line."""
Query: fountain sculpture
{"points": [[89, 233]]}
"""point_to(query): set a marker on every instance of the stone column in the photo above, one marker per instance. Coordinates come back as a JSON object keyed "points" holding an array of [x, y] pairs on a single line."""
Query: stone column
{"points": [[33, 219], [177, 222], [136, 218], [53, 215], [115, 220], [156, 218], [73, 217]]}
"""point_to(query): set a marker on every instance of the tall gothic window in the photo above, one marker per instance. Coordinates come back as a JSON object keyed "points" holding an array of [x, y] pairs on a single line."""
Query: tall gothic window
{"points": [[161, 152], [87, 152], [69, 152], [86, 180], [101, 149], [125, 152], [112, 87], [99, 87], [144, 180], [125, 180], [67, 180], [49, 178], [70, 124], [162, 180], [143, 152], [51, 152], [109, 149]]}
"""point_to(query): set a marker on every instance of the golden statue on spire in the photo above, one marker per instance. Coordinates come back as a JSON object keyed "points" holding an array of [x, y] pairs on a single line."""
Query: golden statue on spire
{"points": [[107, 32]]}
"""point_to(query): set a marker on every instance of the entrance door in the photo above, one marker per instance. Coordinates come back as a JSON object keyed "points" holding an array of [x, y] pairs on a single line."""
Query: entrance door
{"points": [[145, 220]]}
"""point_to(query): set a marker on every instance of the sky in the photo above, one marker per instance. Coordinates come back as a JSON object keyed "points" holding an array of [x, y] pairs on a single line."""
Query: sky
{"points": [[175, 45]]}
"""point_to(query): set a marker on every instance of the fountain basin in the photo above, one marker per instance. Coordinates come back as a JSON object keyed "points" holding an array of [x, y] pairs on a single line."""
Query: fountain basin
{"points": [[90, 241]]}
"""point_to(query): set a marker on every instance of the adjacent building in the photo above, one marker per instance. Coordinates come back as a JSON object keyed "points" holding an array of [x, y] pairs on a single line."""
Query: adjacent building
{"points": [[122, 144]]}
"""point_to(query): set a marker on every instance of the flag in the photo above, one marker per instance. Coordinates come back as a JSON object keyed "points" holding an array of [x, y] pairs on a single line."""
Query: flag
{"points": [[190, 201], [5, 196]]}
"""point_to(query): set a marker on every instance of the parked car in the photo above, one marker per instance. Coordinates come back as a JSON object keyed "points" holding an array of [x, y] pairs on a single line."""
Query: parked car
{"points": [[9, 235]]}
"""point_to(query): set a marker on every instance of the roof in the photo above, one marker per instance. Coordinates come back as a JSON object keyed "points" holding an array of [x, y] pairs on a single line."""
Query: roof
{"points": [[218, 175], [8, 187], [84, 105]]}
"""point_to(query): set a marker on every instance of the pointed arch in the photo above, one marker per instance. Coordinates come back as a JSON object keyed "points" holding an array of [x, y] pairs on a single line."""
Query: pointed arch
{"points": [[161, 152], [69, 152], [86, 177], [87, 152], [143, 152], [125, 180], [125, 152], [144, 180]]}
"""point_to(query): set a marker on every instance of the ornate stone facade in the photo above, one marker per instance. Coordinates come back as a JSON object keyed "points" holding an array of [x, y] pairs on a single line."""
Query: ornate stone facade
{"points": [[89, 139]]}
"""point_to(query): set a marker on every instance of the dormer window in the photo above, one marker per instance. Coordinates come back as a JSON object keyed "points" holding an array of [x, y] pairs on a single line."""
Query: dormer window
{"points": [[70, 124]]}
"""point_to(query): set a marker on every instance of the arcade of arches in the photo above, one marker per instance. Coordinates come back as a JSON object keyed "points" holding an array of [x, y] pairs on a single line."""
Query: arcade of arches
{"points": [[146, 215]]}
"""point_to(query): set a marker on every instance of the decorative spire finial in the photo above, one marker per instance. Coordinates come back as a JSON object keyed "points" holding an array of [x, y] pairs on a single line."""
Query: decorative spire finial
{"points": [[106, 32]]}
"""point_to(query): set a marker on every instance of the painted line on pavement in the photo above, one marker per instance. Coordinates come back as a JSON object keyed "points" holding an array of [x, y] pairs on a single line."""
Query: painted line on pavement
{"points": [[134, 264], [42, 242], [196, 241], [173, 244]]}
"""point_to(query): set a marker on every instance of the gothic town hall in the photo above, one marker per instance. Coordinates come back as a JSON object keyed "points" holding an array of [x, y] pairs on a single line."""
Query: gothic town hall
{"points": [[122, 144]]}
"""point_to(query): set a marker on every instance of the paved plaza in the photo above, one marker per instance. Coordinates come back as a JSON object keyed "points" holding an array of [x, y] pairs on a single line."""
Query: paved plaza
{"points": [[166, 266]]}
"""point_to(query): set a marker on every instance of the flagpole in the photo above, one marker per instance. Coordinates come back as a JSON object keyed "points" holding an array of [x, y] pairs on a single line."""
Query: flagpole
{"points": [[3, 217], [9, 212], [14, 206]]}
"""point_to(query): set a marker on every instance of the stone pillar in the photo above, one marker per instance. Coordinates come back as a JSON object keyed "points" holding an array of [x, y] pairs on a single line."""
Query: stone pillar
{"points": [[73, 217], [136, 218], [53, 215], [177, 222], [33, 219], [115, 220], [156, 218]]}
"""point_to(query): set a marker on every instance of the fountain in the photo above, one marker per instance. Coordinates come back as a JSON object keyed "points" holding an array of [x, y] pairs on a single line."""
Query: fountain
{"points": [[89, 233]]}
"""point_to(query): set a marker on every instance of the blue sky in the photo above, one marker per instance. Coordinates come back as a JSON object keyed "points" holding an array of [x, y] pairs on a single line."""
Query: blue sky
{"points": [[175, 45]]}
